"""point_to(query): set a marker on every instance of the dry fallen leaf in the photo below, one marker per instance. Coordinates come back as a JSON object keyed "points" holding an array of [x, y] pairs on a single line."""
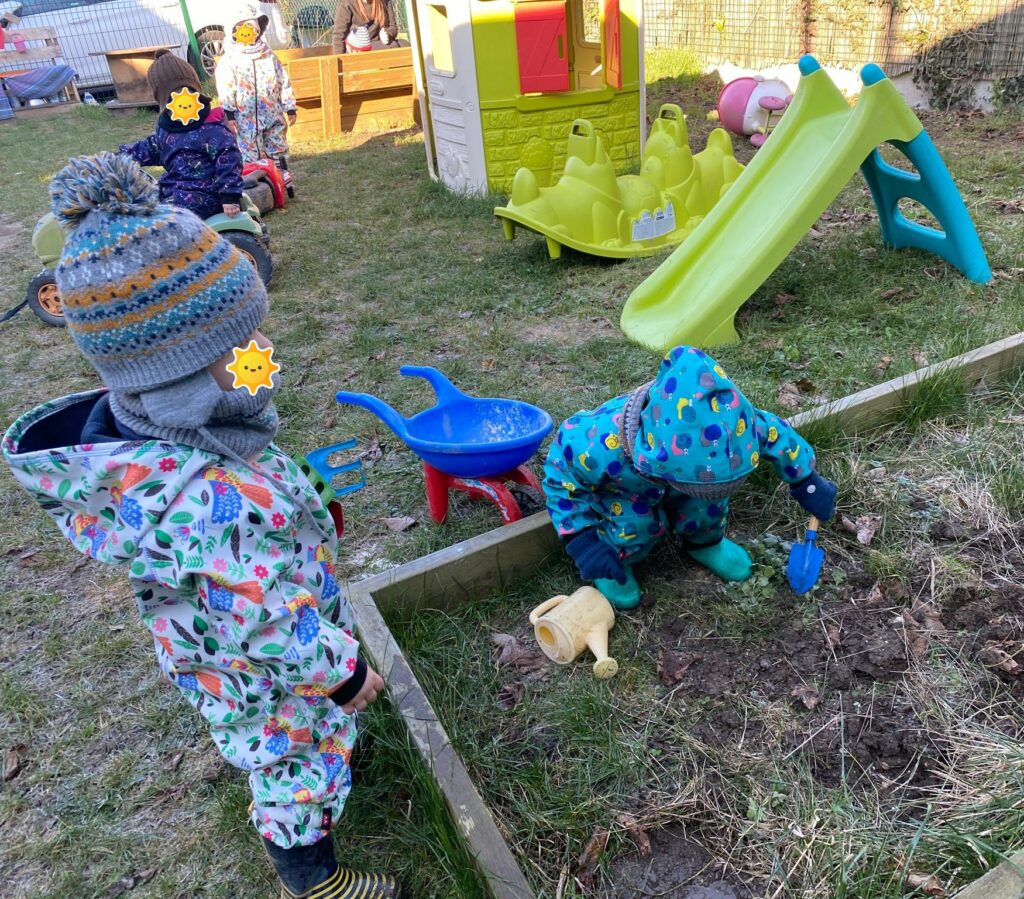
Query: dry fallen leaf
{"points": [[379, 356], [875, 594], [638, 834], [510, 695], [914, 634], [1007, 274], [993, 655], [865, 527], [399, 524], [876, 474], [512, 652], [920, 359], [833, 635], [891, 292], [926, 883], [131, 882], [673, 665], [12, 767], [590, 856], [883, 366], [807, 695], [934, 273], [789, 396]]}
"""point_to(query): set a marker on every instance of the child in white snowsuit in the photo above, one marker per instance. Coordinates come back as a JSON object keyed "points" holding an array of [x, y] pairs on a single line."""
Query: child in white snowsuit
{"points": [[172, 472], [255, 90]]}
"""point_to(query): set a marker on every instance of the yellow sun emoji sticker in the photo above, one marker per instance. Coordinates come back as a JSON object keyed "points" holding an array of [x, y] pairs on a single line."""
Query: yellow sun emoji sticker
{"points": [[185, 106], [245, 34], [253, 367]]}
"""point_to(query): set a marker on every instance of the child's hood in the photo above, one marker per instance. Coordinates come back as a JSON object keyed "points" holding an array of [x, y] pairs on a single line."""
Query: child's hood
{"points": [[103, 496], [697, 427]]}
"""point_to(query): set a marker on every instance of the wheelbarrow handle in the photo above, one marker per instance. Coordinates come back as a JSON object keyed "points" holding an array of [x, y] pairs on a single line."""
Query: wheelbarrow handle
{"points": [[446, 391]]}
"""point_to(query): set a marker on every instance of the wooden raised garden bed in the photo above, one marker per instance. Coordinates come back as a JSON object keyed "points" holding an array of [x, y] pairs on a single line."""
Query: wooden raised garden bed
{"points": [[338, 93], [474, 568]]}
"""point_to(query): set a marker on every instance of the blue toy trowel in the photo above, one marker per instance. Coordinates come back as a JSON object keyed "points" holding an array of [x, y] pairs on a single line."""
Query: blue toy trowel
{"points": [[805, 560]]}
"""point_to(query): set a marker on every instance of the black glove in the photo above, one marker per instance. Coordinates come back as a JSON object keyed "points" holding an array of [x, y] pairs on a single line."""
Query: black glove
{"points": [[595, 558], [817, 495]]}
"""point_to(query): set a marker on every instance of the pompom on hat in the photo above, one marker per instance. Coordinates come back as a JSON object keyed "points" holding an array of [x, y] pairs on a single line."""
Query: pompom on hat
{"points": [[151, 295]]}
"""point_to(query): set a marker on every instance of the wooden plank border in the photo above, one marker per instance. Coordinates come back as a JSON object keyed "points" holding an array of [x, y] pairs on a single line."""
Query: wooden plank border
{"points": [[459, 573]]}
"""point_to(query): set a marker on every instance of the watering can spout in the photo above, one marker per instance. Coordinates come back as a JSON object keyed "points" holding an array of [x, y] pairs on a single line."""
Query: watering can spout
{"points": [[379, 408]]}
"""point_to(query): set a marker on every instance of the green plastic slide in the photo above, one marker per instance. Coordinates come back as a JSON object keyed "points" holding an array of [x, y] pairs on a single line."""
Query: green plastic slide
{"points": [[693, 296], [595, 212]]}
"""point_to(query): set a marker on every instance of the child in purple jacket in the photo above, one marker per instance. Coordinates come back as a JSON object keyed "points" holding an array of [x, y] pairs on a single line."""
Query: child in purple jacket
{"points": [[202, 164]]}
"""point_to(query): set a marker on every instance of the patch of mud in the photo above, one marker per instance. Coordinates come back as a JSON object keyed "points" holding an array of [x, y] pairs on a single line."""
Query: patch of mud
{"points": [[14, 235], [678, 868]]}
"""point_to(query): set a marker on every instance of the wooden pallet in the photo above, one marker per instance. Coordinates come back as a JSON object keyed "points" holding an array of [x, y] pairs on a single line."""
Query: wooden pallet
{"points": [[43, 47]]}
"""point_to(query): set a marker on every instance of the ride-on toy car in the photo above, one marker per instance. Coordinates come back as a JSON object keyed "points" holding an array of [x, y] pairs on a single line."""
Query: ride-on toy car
{"points": [[245, 230]]}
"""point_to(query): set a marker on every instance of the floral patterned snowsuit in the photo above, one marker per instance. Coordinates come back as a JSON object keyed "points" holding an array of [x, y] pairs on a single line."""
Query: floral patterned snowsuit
{"points": [[237, 587], [255, 90]]}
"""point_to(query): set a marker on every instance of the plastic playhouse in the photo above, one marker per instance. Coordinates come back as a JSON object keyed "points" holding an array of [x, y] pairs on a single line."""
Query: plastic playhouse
{"points": [[592, 211], [476, 446], [693, 296], [499, 82]]}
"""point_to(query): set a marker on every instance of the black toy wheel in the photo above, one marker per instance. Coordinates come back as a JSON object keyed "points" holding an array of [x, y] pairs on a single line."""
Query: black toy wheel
{"points": [[254, 251], [211, 47], [43, 298]]}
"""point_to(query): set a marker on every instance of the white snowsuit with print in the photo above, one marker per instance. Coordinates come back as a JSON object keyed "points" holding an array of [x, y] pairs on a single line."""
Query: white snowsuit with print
{"points": [[255, 90]]}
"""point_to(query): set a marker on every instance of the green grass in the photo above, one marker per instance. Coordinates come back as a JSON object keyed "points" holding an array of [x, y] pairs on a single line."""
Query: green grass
{"points": [[377, 266]]}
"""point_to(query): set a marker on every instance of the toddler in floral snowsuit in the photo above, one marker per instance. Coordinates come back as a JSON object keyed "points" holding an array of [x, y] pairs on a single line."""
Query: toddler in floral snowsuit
{"points": [[173, 473], [255, 90]]}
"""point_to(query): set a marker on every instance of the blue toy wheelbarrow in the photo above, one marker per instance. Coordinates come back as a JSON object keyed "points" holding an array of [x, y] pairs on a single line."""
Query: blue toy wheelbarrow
{"points": [[466, 443]]}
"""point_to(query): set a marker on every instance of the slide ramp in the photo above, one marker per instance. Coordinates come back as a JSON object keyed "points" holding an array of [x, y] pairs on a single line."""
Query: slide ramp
{"points": [[693, 296]]}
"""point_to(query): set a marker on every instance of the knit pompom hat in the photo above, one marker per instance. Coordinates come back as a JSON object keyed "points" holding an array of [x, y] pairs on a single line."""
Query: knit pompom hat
{"points": [[151, 295], [696, 429], [170, 73]]}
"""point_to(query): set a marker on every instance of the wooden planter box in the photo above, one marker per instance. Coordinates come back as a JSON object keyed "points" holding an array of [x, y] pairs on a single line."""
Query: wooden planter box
{"points": [[339, 93]]}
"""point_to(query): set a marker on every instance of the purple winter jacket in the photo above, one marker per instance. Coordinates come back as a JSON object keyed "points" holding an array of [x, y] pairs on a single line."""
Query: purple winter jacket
{"points": [[202, 163]]}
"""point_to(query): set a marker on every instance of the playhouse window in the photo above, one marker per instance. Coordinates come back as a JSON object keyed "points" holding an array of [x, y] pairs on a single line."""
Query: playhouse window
{"points": [[587, 14], [442, 58]]}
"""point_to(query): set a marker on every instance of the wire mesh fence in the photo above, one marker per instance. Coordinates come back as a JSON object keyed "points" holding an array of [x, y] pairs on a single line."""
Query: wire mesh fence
{"points": [[966, 39], [88, 28]]}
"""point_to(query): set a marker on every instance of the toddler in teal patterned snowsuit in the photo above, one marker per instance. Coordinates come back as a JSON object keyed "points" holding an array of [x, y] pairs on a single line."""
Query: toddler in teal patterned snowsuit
{"points": [[171, 472], [664, 460]]}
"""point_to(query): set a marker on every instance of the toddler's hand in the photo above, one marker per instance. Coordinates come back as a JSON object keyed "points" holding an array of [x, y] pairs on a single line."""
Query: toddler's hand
{"points": [[293, 117], [817, 495], [232, 209], [372, 686], [594, 558], [232, 126]]}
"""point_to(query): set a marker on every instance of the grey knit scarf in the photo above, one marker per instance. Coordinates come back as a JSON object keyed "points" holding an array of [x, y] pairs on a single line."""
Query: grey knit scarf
{"points": [[195, 411]]}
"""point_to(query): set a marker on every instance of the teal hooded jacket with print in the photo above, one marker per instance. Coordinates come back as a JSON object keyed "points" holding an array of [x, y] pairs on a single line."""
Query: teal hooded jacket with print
{"points": [[666, 458]]}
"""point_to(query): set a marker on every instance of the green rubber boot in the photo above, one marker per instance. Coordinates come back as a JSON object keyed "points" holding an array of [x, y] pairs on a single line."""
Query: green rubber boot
{"points": [[730, 561], [621, 596]]}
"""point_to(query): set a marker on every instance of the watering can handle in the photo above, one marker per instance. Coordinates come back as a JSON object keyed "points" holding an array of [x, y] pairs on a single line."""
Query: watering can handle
{"points": [[446, 391], [545, 607]]}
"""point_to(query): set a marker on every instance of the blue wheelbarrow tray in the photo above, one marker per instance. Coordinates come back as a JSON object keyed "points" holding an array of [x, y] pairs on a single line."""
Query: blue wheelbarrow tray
{"points": [[461, 435]]}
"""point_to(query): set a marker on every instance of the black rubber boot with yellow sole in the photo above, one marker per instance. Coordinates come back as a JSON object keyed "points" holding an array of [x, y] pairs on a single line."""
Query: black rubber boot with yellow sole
{"points": [[310, 872]]}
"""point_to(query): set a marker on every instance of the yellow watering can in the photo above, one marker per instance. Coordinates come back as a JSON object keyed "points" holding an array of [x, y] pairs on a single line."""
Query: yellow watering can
{"points": [[566, 625]]}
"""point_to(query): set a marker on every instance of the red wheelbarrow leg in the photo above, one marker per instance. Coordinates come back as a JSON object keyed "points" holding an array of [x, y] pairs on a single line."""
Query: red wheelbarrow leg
{"points": [[437, 492], [524, 475], [493, 489]]}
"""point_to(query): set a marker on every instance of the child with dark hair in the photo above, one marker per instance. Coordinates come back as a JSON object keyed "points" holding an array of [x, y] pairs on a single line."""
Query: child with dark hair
{"points": [[171, 471], [361, 25], [202, 165], [665, 459]]}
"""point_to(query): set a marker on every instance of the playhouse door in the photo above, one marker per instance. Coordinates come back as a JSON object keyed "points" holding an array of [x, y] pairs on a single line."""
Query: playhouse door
{"points": [[455, 144]]}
